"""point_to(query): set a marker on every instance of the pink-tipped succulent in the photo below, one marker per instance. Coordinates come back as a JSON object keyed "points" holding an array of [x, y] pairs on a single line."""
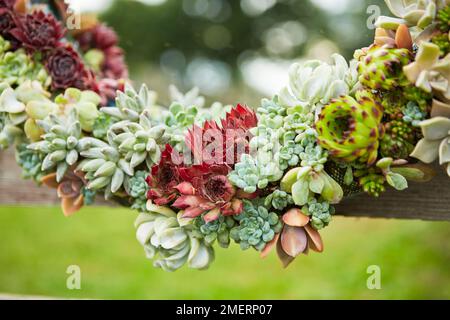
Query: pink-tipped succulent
{"points": [[207, 190]]}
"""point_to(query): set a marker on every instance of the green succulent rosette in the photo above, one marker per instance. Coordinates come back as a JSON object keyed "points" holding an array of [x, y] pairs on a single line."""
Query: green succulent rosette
{"points": [[350, 129], [256, 226]]}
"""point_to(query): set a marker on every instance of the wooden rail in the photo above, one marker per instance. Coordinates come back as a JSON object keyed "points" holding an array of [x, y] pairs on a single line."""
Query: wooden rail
{"points": [[425, 201]]}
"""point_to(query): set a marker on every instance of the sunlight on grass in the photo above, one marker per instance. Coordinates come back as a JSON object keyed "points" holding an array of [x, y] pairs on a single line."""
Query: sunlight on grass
{"points": [[38, 244]]}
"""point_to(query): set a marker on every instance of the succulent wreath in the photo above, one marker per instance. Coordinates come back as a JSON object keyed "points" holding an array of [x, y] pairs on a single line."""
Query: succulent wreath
{"points": [[264, 177]]}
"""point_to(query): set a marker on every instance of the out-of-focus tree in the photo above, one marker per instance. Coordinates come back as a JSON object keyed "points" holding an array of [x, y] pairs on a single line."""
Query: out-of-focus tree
{"points": [[190, 36]]}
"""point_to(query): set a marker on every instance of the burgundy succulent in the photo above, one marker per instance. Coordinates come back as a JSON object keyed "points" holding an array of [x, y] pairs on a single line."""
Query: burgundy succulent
{"points": [[100, 37], [114, 65], [8, 4], [163, 179], [105, 39], [7, 21], [66, 68], [38, 31]]}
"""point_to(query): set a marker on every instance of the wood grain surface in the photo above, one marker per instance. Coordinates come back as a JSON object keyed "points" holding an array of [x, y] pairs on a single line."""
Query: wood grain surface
{"points": [[425, 201]]}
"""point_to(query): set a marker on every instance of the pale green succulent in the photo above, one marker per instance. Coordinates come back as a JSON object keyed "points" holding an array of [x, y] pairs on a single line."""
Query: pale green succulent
{"points": [[13, 109], [130, 104], [429, 72], [138, 142], [104, 165], [314, 83], [271, 113], [8, 132], [211, 231], [84, 102], [251, 174], [279, 200], [303, 183], [191, 98], [60, 144], [320, 213], [17, 67], [170, 242], [413, 13], [435, 143], [257, 226], [137, 188]]}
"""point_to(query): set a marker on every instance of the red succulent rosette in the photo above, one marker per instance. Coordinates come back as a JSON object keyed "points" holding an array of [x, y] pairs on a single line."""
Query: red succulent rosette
{"points": [[66, 68], [207, 190], [38, 31], [164, 177], [100, 37], [225, 143]]}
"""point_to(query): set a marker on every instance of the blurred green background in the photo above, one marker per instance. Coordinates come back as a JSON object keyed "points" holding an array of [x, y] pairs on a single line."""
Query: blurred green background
{"points": [[234, 50]]}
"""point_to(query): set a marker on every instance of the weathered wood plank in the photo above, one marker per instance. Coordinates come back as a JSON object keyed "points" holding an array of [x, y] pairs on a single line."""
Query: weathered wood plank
{"points": [[425, 201]]}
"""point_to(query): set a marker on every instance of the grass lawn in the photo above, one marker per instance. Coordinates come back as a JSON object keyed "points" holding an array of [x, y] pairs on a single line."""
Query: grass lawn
{"points": [[38, 244]]}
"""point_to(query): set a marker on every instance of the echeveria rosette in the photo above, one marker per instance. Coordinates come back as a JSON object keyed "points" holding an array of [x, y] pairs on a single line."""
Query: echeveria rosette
{"points": [[251, 174], [435, 143], [279, 200], [212, 231], [256, 226], [320, 213], [170, 241], [312, 84], [350, 129], [381, 67], [60, 143]]}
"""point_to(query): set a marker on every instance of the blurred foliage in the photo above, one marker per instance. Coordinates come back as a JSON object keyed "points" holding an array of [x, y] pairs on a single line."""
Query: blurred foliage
{"points": [[227, 30]]}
